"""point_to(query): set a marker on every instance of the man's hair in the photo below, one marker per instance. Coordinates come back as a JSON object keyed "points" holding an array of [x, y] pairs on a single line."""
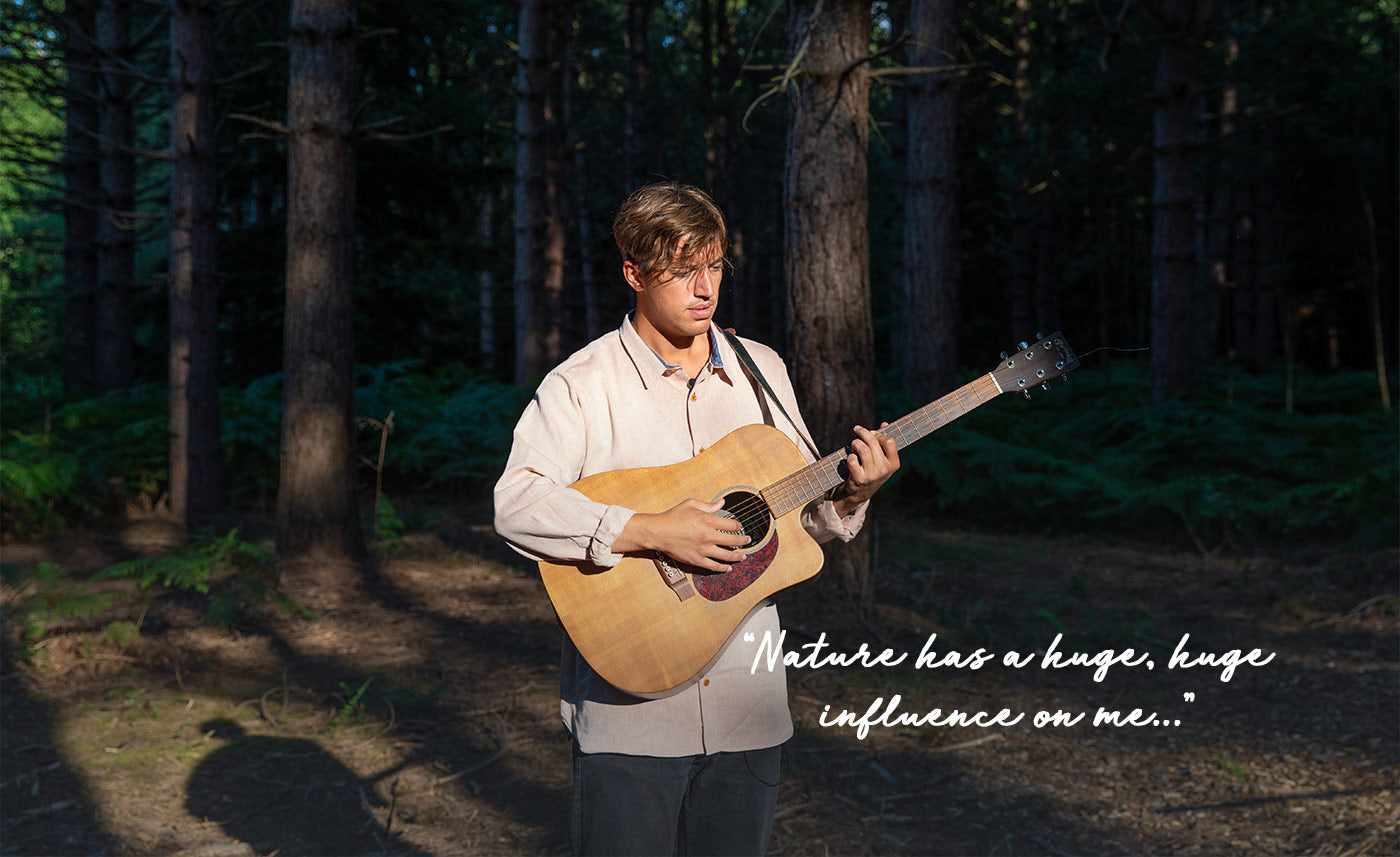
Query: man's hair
{"points": [[658, 219]]}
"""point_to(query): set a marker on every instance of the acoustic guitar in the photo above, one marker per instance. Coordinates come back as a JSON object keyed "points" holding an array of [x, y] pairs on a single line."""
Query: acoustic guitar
{"points": [[649, 625]]}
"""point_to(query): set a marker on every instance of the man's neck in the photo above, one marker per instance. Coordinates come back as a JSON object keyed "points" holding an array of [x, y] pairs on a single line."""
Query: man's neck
{"points": [[691, 353]]}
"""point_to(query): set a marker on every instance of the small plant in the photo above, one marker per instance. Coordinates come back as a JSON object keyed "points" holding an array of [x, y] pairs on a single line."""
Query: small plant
{"points": [[41, 595], [388, 529], [353, 711], [1231, 768], [252, 580]]}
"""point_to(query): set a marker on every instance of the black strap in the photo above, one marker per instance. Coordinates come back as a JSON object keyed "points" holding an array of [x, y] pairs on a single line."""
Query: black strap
{"points": [[747, 360]]}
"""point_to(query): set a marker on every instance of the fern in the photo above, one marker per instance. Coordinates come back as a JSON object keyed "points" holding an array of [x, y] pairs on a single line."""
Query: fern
{"points": [[1102, 457], [42, 594]]}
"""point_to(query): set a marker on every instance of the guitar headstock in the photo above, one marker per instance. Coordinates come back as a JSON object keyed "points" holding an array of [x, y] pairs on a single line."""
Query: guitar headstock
{"points": [[1048, 358]]}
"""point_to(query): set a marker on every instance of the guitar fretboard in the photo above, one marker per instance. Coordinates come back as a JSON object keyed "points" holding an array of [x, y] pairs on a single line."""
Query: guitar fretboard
{"points": [[802, 487]]}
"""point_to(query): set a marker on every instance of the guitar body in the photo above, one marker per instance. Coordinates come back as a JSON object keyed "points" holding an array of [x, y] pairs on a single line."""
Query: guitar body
{"points": [[635, 630], [648, 626]]}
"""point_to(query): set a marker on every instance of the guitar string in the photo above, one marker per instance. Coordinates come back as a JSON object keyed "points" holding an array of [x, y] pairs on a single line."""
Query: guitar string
{"points": [[783, 492]]}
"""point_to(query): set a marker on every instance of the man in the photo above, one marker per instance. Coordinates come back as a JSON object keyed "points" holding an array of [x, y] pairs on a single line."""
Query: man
{"points": [[694, 772]]}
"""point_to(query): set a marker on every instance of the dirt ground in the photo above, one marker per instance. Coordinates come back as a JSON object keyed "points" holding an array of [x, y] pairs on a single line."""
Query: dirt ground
{"points": [[416, 712]]}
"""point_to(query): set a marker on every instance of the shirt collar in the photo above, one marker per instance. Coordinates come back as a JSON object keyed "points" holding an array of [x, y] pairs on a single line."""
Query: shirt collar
{"points": [[649, 364]]}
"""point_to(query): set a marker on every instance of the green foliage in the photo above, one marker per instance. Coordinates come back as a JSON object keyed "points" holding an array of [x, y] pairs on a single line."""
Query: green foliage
{"points": [[452, 427], [1098, 456], [59, 461], [353, 710], [252, 437], [41, 595], [388, 528], [192, 569]]}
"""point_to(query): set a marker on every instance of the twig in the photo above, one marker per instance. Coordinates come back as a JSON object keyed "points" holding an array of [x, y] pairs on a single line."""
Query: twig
{"points": [[262, 705], [505, 743], [33, 773], [265, 123], [399, 138]]}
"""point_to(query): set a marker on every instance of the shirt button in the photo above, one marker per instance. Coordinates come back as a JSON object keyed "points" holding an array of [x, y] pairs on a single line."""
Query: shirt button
{"points": [[707, 682]]}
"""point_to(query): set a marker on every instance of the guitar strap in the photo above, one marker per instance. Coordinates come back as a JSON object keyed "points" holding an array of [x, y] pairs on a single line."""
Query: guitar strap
{"points": [[746, 359]]}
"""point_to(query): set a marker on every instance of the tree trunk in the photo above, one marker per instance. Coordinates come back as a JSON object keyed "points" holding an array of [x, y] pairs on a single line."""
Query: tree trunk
{"points": [[827, 234], [82, 192], [929, 316], [317, 514], [539, 250], [1022, 269], [116, 228], [486, 284], [636, 118], [1182, 25], [196, 487]]}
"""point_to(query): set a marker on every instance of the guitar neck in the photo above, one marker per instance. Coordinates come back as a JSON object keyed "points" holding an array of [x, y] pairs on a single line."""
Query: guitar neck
{"points": [[816, 479]]}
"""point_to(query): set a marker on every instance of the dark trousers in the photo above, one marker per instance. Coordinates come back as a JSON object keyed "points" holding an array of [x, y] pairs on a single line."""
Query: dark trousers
{"points": [[718, 804]]}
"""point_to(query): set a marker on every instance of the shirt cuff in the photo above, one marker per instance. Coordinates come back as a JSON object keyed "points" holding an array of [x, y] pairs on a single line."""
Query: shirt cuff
{"points": [[845, 528], [600, 551]]}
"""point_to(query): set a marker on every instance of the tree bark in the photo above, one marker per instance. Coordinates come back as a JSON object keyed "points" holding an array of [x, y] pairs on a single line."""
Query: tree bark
{"points": [[929, 317], [317, 514], [1182, 26], [539, 231], [1022, 268], [116, 227], [196, 484], [636, 118], [82, 192], [827, 234]]}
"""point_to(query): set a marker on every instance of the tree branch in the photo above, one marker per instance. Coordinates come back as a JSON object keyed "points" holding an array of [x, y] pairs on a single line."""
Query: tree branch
{"points": [[261, 122]]}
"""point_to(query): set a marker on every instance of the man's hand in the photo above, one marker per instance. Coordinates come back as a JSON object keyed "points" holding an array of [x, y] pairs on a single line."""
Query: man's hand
{"points": [[873, 459], [689, 532]]}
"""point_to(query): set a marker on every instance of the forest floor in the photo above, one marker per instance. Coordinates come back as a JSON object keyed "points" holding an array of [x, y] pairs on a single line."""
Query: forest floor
{"points": [[415, 711]]}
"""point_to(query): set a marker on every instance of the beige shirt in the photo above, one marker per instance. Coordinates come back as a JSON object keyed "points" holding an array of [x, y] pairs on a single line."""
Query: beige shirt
{"points": [[614, 405]]}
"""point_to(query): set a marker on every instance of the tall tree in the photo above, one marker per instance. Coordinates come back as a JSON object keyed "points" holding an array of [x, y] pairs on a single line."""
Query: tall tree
{"points": [[929, 318], [196, 486], [1182, 27], [116, 228], [638, 152], [827, 241], [539, 227], [82, 192], [317, 514]]}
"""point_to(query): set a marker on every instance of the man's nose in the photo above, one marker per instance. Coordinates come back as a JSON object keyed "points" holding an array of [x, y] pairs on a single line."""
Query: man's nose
{"points": [[705, 282]]}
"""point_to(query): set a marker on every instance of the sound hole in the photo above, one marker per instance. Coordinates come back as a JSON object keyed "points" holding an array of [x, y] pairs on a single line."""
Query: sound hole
{"points": [[751, 513]]}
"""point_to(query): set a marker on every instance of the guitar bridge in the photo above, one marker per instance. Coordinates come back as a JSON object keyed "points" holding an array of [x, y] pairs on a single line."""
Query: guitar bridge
{"points": [[673, 576]]}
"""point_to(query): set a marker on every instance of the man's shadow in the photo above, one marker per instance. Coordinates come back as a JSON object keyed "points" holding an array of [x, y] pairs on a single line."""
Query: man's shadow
{"points": [[290, 796]]}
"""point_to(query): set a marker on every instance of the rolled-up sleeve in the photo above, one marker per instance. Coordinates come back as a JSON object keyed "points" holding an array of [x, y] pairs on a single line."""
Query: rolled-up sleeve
{"points": [[536, 512]]}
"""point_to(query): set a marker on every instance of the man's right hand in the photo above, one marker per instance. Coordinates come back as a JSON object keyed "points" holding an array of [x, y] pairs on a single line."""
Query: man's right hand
{"points": [[689, 532]]}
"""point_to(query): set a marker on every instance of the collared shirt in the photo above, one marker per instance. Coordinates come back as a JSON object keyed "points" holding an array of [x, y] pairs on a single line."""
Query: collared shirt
{"points": [[613, 405]]}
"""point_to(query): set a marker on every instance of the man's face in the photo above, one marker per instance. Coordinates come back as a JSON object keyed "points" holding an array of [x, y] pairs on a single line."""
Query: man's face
{"points": [[679, 302]]}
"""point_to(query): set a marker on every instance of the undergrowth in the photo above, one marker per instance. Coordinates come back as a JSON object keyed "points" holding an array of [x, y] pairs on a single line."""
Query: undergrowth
{"points": [[1097, 455], [236, 575]]}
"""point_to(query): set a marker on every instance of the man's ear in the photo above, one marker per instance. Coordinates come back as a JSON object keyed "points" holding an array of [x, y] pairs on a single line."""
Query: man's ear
{"points": [[633, 275]]}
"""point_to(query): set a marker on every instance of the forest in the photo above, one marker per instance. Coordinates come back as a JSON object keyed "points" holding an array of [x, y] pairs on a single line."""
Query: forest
{"points": [[277, 278]]}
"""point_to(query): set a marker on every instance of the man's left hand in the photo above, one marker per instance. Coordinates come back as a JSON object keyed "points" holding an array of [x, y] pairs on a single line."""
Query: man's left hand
{"points": [[873, 459]]}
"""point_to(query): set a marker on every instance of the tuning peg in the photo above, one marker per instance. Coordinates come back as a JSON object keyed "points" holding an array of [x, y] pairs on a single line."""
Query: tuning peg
{"points": [[1027, 394], [1039, 336], [1025, 345], [1045, 385], [1004, 355]]}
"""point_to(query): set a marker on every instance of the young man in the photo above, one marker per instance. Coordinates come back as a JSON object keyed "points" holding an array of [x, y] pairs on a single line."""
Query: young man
{"points": [[694, 772]]}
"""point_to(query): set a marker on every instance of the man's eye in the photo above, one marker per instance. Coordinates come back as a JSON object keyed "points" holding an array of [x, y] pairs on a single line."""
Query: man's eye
{"points": [[717, 268], [682, 273]]}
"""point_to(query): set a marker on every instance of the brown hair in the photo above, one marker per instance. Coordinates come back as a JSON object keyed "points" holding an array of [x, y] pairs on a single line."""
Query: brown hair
{"points": [[657, 219]]}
